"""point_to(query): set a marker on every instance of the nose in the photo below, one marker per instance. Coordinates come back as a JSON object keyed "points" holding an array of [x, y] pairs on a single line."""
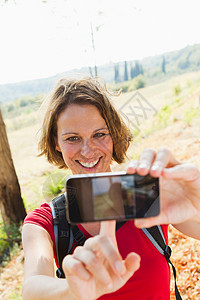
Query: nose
{"points": [[87, 149]]}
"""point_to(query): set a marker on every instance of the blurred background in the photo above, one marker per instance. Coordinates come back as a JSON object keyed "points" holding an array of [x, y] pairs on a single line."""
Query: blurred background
{"points": [[148, 49]]}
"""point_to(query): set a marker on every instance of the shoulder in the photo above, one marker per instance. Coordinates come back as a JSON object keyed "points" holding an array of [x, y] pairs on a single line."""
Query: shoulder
{"points": [[42, 217], [39, 214]]}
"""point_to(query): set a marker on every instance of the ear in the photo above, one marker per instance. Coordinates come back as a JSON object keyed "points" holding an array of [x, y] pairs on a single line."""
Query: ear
{"points": [[57, 145], [58, 148]]}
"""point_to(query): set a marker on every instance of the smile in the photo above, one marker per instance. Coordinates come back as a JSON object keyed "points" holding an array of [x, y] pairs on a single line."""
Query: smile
{"points": [[89, 165]]}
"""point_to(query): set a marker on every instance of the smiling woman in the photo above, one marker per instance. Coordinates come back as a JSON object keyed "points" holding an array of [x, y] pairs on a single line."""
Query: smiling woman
{"points": [[83, 131], [71, 101]]}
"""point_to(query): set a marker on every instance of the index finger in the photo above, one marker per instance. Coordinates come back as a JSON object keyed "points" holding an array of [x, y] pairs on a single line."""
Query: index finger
{"points": [[108, 228]]}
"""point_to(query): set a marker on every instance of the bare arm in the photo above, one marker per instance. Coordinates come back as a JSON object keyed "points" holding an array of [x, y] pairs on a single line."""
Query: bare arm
{"points": [[189, 228], [40, 282], [94, 269]]}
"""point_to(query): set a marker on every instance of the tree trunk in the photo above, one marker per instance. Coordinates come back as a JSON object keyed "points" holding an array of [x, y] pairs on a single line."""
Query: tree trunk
{"points": [[11, 203]]}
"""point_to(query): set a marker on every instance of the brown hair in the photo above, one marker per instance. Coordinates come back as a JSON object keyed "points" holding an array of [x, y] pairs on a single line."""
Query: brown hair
{"points": [[81, 91]]}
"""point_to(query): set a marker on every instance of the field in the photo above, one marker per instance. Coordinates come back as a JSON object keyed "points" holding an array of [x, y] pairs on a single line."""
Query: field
{"points": [[175, 125]]}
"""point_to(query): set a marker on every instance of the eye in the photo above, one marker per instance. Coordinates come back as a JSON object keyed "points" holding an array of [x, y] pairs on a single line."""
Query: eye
{"points": [[72, 139], [99, 134]]}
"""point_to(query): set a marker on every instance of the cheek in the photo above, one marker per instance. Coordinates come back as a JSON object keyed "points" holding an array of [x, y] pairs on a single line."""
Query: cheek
{"points": [[69, 151], [107, 146]]}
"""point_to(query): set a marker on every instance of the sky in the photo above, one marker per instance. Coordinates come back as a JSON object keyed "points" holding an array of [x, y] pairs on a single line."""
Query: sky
{"points": [[42, 38]]}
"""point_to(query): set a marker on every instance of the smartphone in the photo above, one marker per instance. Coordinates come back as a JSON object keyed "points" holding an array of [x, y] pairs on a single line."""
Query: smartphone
{"points": [[111, 196]]}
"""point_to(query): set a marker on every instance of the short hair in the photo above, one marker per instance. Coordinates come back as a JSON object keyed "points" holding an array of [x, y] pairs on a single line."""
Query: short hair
{"points": [[82, 91]]}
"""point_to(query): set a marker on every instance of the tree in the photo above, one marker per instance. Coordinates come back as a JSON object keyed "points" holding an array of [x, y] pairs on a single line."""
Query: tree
{"points": [[132, 71], [117, 79], [125, 71], [136, 70], [163, 65], [11, 203]]}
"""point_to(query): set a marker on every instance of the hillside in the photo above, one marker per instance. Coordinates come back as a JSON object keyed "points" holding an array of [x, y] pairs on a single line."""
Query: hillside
{"points": [[177, 62], [176, 125]]}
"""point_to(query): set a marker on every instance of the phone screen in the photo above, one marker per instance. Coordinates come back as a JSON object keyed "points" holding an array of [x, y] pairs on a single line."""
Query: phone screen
{"points": [[119, 197]]}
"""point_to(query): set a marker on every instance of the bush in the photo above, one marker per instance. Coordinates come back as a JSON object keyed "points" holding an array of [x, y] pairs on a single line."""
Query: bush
{"points": [[177, 90], [54, 184], [139, 82], [131, 85], [189, 115], [10, 236], [163, 116]]}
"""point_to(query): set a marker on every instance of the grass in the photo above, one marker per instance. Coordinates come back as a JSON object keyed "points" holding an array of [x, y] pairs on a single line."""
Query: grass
{"points": [[189, 115], [177, 90], [54, 183]]}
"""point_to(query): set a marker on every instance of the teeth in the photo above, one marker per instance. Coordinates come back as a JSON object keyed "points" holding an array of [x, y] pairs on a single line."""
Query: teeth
{"points": [[89, 165]]}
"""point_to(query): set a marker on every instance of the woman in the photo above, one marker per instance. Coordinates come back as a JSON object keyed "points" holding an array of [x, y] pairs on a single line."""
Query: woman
{"points": [[83, 132]]}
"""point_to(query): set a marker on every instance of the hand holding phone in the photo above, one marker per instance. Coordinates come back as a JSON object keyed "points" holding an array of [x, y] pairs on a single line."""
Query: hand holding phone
{"points": [[111, 196]]}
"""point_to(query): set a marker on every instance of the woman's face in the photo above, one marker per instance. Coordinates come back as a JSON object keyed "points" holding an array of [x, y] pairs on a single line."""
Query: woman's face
{"points": [[84, 139]]}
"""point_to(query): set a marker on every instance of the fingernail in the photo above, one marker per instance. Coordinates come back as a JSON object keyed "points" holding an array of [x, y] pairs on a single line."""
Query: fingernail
{"points": [[156, 168], [143, 166], [132, 165], [119, 266]]}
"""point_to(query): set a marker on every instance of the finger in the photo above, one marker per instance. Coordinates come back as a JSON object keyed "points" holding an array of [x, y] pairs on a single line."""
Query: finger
{"points": [[187, 172], [132, 262], [149, 222], [94, 264], [108, 228], [72, 266], [132, 167], [145, 161], [104, 245], [163, 159]]}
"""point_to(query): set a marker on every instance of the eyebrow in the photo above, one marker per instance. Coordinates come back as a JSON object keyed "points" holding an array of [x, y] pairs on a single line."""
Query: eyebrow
{"points": [[68, 132]]}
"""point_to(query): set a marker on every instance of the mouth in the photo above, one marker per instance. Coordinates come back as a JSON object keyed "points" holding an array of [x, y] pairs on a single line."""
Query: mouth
{"points": [[89, 165]]}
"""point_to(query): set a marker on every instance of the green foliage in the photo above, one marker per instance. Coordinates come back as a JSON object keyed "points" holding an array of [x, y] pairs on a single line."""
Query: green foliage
{"points": [[178, 102], [135, 132], [161, 120], [17, 107], [163, 64], [139, 82], [4, 244], [16, 295], [189, 115], [54, 183], [136, 70], [184, 64], [163, 116], [116, 70], [125, 71], [10, 238], [131, 85], [177, 90]]}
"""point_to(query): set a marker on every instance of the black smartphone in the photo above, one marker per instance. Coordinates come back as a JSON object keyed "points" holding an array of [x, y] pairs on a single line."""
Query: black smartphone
{"points": [[111, 196]]}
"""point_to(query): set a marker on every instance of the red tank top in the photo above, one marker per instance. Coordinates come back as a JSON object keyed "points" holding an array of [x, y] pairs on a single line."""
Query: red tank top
{"points": [[150, 282]]}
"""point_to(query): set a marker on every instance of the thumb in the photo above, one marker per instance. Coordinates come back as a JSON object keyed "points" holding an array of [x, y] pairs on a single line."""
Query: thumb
{"points": [[187, 172]]}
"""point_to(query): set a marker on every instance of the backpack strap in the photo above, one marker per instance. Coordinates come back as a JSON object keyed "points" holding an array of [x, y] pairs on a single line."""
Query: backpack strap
{"points": [[156, 236], [64, 232]]}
